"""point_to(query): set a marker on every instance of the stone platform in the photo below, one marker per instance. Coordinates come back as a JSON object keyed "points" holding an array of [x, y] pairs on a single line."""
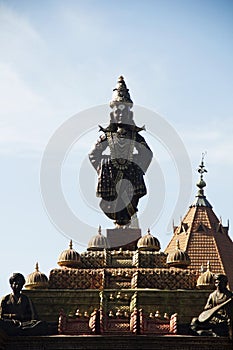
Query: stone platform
{"points": [[125, 238], [116, 342]]}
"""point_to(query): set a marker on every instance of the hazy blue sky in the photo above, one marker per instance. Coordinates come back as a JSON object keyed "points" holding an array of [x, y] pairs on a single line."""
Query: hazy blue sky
{"points": [[59, 58]]}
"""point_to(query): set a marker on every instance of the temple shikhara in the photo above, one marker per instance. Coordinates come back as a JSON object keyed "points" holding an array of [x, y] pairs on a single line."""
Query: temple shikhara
{"points": [[125, 283]]}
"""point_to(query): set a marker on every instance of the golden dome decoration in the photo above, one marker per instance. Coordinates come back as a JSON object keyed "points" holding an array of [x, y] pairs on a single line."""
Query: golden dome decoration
{"points": [[148, 242], [178, 257], [98, 242], [36, 280], [69, 257], [206, 279]]}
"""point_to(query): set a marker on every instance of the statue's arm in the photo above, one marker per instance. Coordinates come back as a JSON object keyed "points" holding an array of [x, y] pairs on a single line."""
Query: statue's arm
{"points": [[4, 313], [2, 308], [145, 155], [30, 311], [96, 155], [209, 304]]}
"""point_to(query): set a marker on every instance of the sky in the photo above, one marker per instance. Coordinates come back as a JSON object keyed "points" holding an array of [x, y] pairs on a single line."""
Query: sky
{"points": [[59, 63]]}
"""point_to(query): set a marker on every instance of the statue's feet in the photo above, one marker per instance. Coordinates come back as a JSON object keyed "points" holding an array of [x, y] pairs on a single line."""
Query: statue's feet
{"points": [[206, 333], [122, 223]]}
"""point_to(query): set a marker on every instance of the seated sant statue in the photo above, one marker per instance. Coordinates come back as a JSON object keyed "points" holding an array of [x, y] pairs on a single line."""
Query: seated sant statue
{"points": [[17, 313], [216, 319]]}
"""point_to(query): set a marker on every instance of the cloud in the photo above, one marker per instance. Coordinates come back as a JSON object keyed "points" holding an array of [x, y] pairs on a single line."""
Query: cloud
{"points": [[17, 36]]}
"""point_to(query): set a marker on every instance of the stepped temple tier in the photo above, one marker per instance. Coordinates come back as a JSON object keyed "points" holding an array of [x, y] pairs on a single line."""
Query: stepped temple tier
{"points": [[124, 291]]}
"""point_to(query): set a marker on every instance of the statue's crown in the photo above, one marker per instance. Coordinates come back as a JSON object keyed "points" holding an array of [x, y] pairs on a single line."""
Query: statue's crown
{"points": [[121, 93]]}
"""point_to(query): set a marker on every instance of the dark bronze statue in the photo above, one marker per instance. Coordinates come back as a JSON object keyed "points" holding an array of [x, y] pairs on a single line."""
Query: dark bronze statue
{"points": [[120, 174], [216, 319], [17, 313]]}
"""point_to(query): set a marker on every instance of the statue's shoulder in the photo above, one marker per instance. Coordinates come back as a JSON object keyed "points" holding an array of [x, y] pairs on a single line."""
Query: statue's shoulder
{"points": [[5, 298], [212, 294], [102, 138], [139, 137]]}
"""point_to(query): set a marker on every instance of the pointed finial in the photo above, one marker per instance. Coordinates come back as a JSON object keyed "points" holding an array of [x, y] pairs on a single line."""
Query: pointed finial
{"points": [[37, 267], [148, 231], [99, 230], [201, 168], [121, 94], [71, 244], [201, 184], [202, 269], [177, 244], [208, 265]]}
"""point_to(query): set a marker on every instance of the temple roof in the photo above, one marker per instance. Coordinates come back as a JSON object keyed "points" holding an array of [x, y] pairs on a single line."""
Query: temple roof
{"points": [[202, 235]]}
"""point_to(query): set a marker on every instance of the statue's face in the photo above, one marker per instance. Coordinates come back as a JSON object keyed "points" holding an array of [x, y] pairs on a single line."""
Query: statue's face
{"points": [[220, 283], [121, 114], [17, 285]]}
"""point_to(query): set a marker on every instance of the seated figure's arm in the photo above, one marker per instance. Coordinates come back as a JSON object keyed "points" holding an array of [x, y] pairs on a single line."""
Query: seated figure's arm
{"points": [[2, 308], [29, 312], [4, 313], [209, 303]]}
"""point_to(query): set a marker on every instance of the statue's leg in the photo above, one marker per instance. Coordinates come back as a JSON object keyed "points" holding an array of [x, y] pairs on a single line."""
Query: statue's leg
{"points": [[202, 328]]}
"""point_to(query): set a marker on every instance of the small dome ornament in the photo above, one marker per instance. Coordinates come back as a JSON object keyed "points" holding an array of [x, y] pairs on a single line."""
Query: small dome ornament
{"points": [[98, 242], [148, 243], [36, 280], [206, 279], [69, 257], [178, 257]]}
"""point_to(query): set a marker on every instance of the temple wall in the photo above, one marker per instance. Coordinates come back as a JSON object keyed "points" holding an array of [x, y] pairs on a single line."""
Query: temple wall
{"points": [[187, 303], [48, 303]]}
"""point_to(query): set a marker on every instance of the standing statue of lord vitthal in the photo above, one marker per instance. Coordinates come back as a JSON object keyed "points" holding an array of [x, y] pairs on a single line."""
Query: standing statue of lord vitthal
{"points": [[121, 157]]}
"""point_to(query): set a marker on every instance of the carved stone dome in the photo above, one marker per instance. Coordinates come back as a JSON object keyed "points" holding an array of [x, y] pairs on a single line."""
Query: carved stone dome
{"points": [[36, 280], [69, 257], [98, 242], [148, 242], [206, 279], [178, 258]]}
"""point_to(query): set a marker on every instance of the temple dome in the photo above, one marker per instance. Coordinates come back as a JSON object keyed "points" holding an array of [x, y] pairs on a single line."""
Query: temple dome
{"points": [[69, 257], [206, 279], [36, 280], [98, 242], [148, 242], [178, 257]]}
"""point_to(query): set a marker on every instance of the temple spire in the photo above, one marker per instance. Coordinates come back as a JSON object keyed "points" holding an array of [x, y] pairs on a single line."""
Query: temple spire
{"points": [[200, 197], [201, 184]]}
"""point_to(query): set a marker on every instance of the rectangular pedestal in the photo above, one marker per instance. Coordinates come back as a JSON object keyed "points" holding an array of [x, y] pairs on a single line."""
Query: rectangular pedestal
{"points": [[125, 238]]}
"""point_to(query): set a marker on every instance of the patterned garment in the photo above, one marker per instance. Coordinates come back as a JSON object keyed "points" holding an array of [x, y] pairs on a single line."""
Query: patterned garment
{"points": [[20, 309], [120, 174]]}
